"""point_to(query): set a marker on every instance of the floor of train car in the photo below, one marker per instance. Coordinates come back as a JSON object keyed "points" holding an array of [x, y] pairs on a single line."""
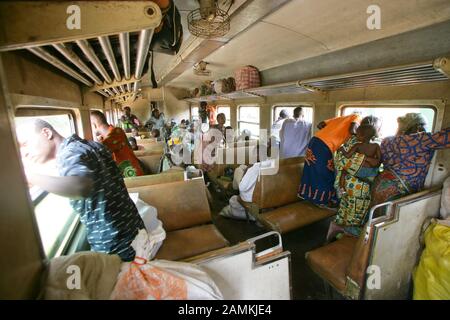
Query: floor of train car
{"points": [[306, 285]]}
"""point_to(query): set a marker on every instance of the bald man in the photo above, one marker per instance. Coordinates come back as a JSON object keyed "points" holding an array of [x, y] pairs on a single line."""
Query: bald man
{"points": [[93, 182]]}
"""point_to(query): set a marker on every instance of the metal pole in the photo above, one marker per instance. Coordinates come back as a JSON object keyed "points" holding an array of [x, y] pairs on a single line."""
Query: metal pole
{"points": [[145, 37], [41, 53], [72, 57], [107, 49], [90, 54]]}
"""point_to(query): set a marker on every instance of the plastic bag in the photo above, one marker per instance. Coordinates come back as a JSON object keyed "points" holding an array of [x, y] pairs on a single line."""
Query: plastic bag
{"points": [[155, 231], [432, 276], [235, 210], [160, 279]]}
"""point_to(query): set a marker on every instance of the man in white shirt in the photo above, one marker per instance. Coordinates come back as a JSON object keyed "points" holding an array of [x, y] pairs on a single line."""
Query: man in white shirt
{"points": [[295, 135], [276, 127]]}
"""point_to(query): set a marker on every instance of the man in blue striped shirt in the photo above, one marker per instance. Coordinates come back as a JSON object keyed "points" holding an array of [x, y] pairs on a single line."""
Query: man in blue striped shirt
{"points": [[91, 179]]}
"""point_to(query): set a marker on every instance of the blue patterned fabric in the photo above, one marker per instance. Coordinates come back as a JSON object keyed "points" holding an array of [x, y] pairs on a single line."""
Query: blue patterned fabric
{"points": [[317, 184], [110, 216], [409, 156]]}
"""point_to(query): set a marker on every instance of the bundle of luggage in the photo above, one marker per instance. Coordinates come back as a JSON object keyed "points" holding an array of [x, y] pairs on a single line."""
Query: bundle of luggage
{"points": [[225, 85], [244, 78]]}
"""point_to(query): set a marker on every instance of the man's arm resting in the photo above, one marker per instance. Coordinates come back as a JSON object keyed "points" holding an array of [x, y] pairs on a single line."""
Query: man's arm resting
{"points": [[70, 186]]}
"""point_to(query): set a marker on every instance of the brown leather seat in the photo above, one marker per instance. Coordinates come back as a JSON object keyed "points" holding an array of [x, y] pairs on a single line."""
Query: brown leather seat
{"points": [[148, 180], [331, 261], [184, 211], [275, 202], [294, 216], [151, 164], [185, 243]]}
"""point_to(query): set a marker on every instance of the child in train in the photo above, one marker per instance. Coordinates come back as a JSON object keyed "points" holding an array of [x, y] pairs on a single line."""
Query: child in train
{"points": [[370, 167]]}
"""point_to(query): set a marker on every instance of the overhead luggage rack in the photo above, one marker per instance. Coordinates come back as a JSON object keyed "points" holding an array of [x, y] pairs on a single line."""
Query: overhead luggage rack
{"points": [[108, 56], [437, 70], [285, 88]]}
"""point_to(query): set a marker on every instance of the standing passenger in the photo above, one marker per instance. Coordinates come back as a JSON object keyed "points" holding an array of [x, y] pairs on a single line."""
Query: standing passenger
{"points": [[116, 141], [295, 135], [317, 184], [278, 124], [91, 179]]}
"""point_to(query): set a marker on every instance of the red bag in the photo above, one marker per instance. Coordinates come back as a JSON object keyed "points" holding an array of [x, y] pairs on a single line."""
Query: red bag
{"points": [[247, 77]]}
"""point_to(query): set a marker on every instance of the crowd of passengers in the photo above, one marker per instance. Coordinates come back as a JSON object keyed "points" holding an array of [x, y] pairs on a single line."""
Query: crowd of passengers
{"points": [[343, 168]]}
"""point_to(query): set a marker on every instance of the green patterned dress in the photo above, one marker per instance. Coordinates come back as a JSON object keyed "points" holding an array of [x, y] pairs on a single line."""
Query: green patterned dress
{"points": [[355, 202]]}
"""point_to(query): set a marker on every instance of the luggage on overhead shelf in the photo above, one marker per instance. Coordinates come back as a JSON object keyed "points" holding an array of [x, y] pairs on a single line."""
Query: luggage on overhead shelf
{"points": [[247, 77], [224, 85]]}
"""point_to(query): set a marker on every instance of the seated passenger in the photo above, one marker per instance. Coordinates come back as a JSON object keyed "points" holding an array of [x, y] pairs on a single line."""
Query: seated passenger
{"points": [[116, 141], [407, 157], [133, 144], [129, 121], [91, 179], [156, 121], [246, 189], [295, 135], [317, 182], [155, 133], [135, 134]]}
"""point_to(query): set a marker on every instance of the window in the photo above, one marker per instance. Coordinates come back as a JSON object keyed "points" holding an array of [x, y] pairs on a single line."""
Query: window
{"points": [[194, 114], [226, 111], [307, 110], [389, 115], [249, 120], [55, 217]]}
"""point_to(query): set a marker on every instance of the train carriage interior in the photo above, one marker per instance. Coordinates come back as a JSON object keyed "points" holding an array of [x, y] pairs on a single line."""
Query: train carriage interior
{"points": [[213, 100]]}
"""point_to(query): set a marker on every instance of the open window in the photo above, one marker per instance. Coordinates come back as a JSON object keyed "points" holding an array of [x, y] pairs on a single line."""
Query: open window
{"points": [[55, 217], [307, 110], [194, 114], [248, 119], [389, 114]]}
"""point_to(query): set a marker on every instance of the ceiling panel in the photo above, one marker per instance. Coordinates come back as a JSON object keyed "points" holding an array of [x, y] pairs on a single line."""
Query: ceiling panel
{"points": [[338, 24], [305, 28]]}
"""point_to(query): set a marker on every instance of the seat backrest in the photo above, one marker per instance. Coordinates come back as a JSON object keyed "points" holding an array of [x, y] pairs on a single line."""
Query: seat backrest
{"points": [[149, 180], [393, 244], [147, 141], [180, 205], [151, 164], [235, 156], [282, 188]]}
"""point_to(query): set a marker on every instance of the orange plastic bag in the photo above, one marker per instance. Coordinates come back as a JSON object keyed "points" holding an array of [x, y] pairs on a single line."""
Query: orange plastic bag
{"points": [[160, 279]]}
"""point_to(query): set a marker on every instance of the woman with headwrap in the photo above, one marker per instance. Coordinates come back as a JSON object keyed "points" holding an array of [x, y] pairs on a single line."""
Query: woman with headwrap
{"points": [[356, 198], [406, 158]]}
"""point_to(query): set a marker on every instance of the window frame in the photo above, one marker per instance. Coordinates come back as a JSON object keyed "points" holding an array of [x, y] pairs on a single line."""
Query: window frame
{"points": [[248, 122], [290, 105], [191, 113], [37, 195], [438, 106]]}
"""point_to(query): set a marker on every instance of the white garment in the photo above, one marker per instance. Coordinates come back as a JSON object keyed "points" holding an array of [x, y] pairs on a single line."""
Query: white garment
{"points": [[248, 182], [294, 136], [238, 175], [276, 128]]}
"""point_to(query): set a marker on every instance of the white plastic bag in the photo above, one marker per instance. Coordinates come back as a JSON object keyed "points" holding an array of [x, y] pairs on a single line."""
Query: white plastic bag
{"points": [[155, 234], [235, 210], [160, 279]]}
